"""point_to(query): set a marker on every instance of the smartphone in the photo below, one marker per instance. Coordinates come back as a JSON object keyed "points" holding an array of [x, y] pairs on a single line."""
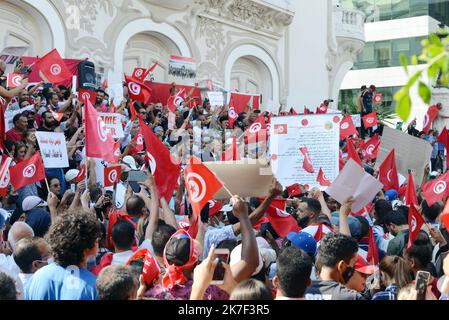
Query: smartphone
{"points": [[137, 265], [47, 85], [137, 176], [219, 273], [422, 281], [134, 186], [73, 187]]}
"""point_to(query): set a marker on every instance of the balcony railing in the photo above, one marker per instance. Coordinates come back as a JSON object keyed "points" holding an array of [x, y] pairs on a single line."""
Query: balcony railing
{"points": [[349, 23]]}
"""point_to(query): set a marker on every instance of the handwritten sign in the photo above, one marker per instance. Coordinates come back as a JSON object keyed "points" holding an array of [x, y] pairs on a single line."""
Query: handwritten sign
{"points": [[53, 149], [113, 122]]}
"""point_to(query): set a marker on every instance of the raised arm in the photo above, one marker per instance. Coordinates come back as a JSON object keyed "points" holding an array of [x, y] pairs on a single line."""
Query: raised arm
{"points": [[153, 206], [8, 94], [318, 195], [345, 210], [169, 215]]}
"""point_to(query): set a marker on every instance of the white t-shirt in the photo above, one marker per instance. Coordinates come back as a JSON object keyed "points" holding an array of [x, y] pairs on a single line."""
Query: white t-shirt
{"points": [[9, 266]]}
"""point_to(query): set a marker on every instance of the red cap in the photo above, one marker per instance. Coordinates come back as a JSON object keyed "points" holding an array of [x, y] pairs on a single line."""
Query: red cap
{"points": [[362, 267], [214, 207]]}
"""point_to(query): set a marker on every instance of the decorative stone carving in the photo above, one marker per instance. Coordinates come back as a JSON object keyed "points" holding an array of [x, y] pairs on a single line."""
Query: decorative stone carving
{"points": [[212, 31], [89, 10]]}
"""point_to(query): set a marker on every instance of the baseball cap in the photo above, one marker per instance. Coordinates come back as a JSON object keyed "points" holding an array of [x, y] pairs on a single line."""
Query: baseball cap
{"points": [[355, 227], [129, 163], [71, 174], [177, 250], [390, 195], [214, 207], [362, 267], [304, 241], [236, 256], [227, 208], [32, 202]]}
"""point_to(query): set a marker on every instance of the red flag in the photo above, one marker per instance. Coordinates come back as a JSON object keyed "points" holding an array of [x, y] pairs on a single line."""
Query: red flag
{"points": [[347, 127], [370, 120], [57, 115], [232, 116], [88, 94], [138, 138], [27, 172], [293, 112], [175, 101], [341, 162], [388, 174], [305, 111], [231, 153], [371, 148], [240, 101], [53, 67], [282, 222], [257, 131], [373, 253], [162, 166], [322, 180], [444, 139], [294, 190], [307, 163], [99, 141], [280, 129], [444, 217], [139, 74], [137, 90], [319, 234], [410, 193], [82, 173], [432, 113], [105, 84], [150, 70], [322, 109], [201, 184], [117, 152], [352, 153], [415, 222], [14, 80], [279, 203], [133, 111], [111, 175], [436, 189], [2, 123], [4, 175]]}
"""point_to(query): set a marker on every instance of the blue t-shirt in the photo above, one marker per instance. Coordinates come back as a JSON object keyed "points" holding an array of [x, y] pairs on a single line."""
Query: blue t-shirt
{"points": [[54, 282]]}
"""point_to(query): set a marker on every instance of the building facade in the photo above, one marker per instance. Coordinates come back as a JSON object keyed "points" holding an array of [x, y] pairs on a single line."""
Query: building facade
{"points": [[393, 27], [292, 52]]}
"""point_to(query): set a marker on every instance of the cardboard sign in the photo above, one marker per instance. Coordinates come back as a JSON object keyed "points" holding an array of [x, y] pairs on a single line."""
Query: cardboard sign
{"points": [[247, 178], [216, 98], [182, 67], [113, 122], [53, 149], [410, 152], [354, 181], [319, 133]]}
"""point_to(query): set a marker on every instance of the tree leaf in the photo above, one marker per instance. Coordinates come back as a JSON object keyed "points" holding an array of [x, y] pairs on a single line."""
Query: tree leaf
{"points": [[424, 92], [414, 60], [404, 61], [404, 106], [434, 39]]}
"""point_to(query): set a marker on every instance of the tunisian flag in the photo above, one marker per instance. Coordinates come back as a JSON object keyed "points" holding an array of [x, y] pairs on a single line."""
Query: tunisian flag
{"points": [[444, 139], [373, 254], [388, 174], [27, 172], [138, 138], [111, 175], [347, 127], [82, 173], [437, 189], [282, 222], [163, 168], [352, 153], [321, 179], [257, 131], [13, 80], [307, 163], [370, 120], [294, 190], [322, 109], [432, 113], [53, 67], [415, 222], [371, 148], [410, 193], [99, 141], [137, 90], [89, 94], [240, 101], [2, 123], [4, 174], [201, 184]]}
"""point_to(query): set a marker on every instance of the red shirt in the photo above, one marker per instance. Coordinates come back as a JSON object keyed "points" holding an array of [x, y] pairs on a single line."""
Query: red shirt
{"points": [[13, 135]]}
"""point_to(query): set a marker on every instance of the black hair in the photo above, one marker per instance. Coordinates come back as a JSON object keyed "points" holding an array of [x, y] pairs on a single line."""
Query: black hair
{"points": [[70, 234], [160, 238], [381, 208], [135, 205], [116, 283], [293, 267], [335, 247], [17, 117], [25, 252], [395, 217], [313, 205], [421, 250], [8, 289], [95, 193], [227, 244], [431, 213], [123, 234]]}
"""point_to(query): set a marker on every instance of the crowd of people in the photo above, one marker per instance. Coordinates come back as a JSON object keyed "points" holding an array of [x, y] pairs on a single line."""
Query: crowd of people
{"points": [[75, 239]]}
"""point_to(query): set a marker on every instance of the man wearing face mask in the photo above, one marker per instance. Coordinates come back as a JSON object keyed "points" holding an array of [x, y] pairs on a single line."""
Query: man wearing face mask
{"points": [[337, 257]]}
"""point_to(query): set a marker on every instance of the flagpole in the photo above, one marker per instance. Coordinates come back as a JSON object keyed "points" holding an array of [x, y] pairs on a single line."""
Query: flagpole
{"points": [[227, 190], [46, 182]]}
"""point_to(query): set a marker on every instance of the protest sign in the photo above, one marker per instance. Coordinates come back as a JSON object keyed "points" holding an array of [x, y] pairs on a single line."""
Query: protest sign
{"points": [[113, 122], [410, 152], [216, 98], [182, 67], [53, 149], [354, 181], [246, 178], [318, 133], [273, 107], [357, 119]]}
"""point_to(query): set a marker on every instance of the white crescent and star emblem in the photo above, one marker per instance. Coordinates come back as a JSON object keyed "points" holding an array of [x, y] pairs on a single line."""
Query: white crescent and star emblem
{"points": [[55, 69], [134, 88], [197, 186], [29, 171], [439, 187]]}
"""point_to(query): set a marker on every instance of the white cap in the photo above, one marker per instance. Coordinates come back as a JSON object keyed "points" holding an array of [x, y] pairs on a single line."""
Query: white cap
{"points": [[130, 163], [227, 208], [71, 174], [236, 256], [32, 202]]}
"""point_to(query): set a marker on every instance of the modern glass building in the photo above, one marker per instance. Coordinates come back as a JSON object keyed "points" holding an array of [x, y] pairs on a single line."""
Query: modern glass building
{"points": [[392, 27]]}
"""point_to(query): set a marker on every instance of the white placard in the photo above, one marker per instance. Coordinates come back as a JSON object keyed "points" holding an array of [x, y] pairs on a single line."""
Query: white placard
{"points": [[357, 119], [113, 122], [319, 133], [354, 181], [53, 149], [216, 98], [273, 107]]}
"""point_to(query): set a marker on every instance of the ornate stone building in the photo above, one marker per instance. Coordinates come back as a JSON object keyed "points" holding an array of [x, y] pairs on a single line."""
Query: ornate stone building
{"points": [[294, 52]]}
